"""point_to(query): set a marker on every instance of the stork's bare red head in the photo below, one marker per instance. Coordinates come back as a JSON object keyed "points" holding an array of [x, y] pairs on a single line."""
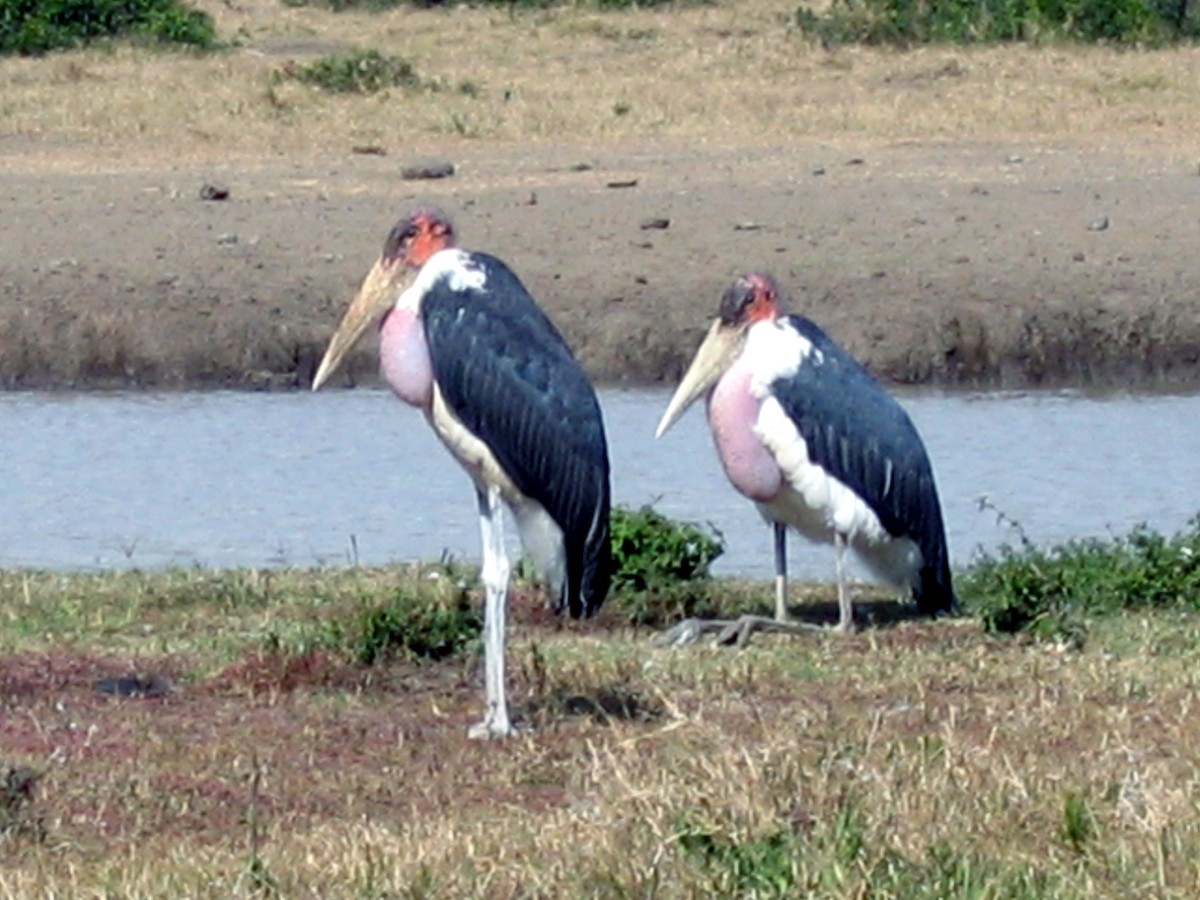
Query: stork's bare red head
{"points": [[418, 236], [408, 247], [751, 298]]}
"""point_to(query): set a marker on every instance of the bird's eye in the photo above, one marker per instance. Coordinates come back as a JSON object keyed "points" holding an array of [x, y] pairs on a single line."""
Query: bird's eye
{"points": [[399, 238], [736, 300]]}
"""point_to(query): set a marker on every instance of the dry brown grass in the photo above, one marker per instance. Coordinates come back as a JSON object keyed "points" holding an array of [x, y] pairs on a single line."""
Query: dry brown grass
{"points": [[731, 73], [921, 760]]}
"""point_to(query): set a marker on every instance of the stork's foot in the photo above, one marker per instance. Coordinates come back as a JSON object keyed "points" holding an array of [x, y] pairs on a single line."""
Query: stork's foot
{"points": [[689, 631], [487, 731], [732, 632], [491, 728]]}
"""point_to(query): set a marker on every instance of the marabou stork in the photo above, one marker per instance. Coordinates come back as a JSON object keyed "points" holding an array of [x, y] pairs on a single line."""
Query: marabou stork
{"points": [[462, 340], [815, 441]]}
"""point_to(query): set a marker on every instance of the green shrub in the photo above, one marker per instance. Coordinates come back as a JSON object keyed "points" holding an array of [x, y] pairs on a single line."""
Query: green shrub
{"points": [[1046, 592], [652, 551], [28, 27], [414, 627], [661, 567], [907, 22], [360, 72]]}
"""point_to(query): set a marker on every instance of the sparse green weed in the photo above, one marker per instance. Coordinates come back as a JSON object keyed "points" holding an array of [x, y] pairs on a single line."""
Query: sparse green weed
{"points": [[947, 872], [360, 72], [760, 867], [430, 618], [1079, 824]]}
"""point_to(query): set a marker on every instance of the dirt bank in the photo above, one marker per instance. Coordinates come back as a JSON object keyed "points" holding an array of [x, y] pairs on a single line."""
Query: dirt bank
{"points": [[997, 264]]}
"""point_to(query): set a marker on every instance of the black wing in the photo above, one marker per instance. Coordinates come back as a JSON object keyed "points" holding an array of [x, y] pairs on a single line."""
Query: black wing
{"points": [[859, 434], [508, 375]]}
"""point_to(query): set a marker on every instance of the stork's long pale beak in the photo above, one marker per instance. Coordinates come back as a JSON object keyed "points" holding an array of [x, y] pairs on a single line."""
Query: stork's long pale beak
{"points": [[380, 289], [715, 355]]}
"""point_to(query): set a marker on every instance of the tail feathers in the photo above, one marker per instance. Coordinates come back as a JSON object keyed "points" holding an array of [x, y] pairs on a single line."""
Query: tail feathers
{"points": [[589, 567], [597, 576], [934, 593]]}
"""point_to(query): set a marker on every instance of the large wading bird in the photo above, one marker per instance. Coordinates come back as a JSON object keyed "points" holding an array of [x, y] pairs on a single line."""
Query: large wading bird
{"points": [[461, 339], [804, 431]]}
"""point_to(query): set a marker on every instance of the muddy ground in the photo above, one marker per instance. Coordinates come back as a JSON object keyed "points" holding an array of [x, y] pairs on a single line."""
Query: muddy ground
{"points": [[984, 264]]}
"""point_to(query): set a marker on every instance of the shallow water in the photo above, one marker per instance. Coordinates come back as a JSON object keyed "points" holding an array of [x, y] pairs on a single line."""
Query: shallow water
{"points": [[242, 479]]}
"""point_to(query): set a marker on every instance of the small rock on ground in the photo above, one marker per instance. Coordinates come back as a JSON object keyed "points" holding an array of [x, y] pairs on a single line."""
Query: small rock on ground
{"points": [[422, 169]]}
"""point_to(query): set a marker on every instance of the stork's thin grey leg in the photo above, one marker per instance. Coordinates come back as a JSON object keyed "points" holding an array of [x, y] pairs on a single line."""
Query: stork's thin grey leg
{"points": [[845, 607], [495, 584], [738, 631], [780, 573]]}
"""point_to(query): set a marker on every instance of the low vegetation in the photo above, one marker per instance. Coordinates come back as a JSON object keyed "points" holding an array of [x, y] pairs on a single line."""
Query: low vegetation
{"points": [[362, 72], [652, 551], [909, 22], [662, 567], [367, 72], [28, 27], [31, 27], [1053, 592]]}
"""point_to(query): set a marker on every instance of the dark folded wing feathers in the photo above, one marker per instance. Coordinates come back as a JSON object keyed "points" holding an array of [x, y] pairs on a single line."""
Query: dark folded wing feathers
{"points": [[854, 429], [506, 372]]}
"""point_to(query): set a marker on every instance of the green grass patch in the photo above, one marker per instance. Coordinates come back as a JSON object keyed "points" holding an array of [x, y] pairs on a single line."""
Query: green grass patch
{"points": [[430, 615], [29, 27], [947, 872], [362, 613], [1079, 823], [662, 574], [417, 625]]}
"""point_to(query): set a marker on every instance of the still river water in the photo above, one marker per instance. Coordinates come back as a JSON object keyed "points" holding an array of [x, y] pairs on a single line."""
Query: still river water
{"points": [[93, 481]]}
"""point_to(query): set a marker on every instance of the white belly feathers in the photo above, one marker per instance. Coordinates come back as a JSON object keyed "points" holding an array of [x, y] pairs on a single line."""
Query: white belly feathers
{"points": [[541, 537]]}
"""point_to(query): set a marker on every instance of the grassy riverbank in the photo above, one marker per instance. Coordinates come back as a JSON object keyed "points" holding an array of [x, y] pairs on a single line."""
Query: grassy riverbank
{"points": [[217, 734]]}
